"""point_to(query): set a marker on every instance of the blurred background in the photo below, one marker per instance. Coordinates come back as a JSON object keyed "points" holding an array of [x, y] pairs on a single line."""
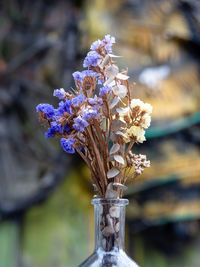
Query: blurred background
{"points": [[46, 218]]}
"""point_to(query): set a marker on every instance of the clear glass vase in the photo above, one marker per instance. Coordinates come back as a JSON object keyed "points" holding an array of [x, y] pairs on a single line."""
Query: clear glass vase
{"points": [[109, 235]]}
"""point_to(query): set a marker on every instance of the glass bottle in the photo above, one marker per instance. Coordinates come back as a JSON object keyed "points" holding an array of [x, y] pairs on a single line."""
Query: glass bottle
{"points": [[109, 235]]}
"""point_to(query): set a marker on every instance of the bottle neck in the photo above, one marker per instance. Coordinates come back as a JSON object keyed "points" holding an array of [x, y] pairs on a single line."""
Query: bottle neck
{"points": [[109, 223]]}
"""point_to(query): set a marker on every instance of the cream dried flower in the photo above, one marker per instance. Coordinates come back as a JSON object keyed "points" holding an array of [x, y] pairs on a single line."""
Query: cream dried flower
{"points": [[143, 106], [135, 132], [146, 121]]}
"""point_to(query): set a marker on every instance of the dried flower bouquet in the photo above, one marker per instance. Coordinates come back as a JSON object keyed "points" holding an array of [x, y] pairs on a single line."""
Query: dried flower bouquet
{"points": [[100, 121]]}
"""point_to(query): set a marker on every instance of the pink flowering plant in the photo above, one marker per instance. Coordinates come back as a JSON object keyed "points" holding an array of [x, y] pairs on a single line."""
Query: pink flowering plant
{"points": [[100, 121]]}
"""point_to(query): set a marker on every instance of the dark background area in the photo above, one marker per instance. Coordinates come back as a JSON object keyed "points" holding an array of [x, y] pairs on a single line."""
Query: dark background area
{"points": [[45, 214]]}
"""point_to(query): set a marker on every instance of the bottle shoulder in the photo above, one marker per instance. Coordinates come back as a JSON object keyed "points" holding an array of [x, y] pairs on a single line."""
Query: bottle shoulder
{"points": [[101, 258]]}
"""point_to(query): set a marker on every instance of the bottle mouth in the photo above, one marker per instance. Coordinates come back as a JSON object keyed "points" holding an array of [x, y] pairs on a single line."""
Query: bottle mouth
{"points": [[112, 201]]}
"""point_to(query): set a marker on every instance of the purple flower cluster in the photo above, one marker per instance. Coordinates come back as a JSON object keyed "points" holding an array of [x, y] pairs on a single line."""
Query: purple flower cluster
{"points": [[107, 43], [104, 90], [59, 93], [64, 106], [55, 128], [75, 112], [95, 101], [95, 45], [78, 100], [67, 145], [47, 110], [80, 75], [92, 59], [80, 124]]}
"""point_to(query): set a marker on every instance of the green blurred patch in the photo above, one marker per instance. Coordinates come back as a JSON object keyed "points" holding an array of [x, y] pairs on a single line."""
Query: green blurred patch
{"points": [[56, 233], [9, 237]]}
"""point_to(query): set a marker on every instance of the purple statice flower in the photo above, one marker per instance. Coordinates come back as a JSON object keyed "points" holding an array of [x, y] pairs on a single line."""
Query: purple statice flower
{"points": [[59, 93], [56, 127], [108, 41], [47, 109], [92, 59], [77, 100], [67, 145], [77, 76], [104, 90], [64, 106], [80, 124], [89, 113], [95, 100], [67, 128], [95, 45], [89, 73]]}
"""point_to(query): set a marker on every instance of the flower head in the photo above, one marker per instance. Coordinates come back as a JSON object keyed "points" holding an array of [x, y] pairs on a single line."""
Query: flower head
{"points": [[64, 107], [90, 113], [108, 41], [67, 145], [77, 76], [104, 90], [137, 133], [95, 45], [59, 93], [92, 59], [55, 128], [76, 101], [143, 106], [80, 124], [47, 110]]}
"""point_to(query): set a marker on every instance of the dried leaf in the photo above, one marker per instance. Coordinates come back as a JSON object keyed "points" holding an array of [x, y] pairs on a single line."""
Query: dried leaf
{"points": [[111, 55], [120, 90], [110, 193], [113, 137], [105, 61], [114, 148], [109, 81], [117, 124], [121, 133], [114, 211], [122, 76], [112, 83], [121, 186], [110, 158], [95, 187], [108, 230], [122, 110], [112, 70], [112, 172], [119, 159], [114, 102]]}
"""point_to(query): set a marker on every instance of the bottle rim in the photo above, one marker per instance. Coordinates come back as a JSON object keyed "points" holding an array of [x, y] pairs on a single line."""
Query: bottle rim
{"points": [[113, 201]]}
